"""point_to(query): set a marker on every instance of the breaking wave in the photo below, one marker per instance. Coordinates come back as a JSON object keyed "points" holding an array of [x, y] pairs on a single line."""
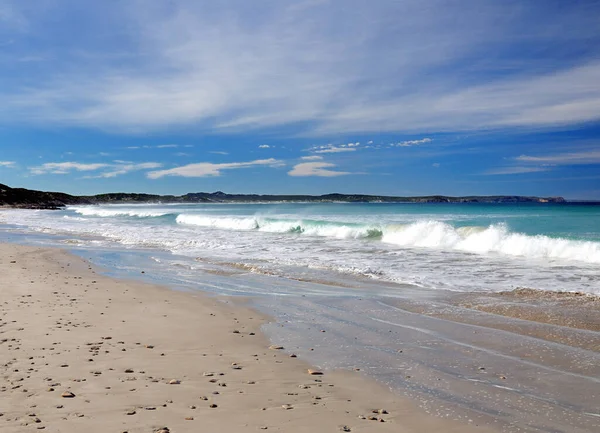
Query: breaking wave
{"points": [[306, 227], [99, 212], [495, 238]]}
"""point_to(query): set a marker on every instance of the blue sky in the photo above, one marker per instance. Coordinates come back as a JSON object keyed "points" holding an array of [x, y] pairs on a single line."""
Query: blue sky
{"points": [[315, 96]]}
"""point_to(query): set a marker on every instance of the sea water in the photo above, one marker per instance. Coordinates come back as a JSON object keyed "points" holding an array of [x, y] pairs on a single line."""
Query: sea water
{"points": [[366, 286], [458, 247]]}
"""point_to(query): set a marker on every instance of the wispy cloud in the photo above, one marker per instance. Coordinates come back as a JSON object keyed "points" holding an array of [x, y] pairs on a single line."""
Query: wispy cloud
{"points": [[65, 167], [319, 169], [410, 143], [336, 150], [515, 170], [160, 146], [8, 164], [207, 169], [11, 17], [238, 65], [264, 146], [311, 158], [568, 158], [121, 169], [114, 169], [353, 147], [331, 148], [532, 164]]}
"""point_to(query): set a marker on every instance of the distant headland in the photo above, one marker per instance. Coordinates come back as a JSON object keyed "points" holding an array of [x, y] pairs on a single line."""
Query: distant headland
{"points": [[31, 199]]}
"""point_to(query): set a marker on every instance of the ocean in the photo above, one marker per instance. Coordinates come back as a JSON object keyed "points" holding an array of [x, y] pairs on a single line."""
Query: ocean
{"points": [[457, 247], [400, 291]]}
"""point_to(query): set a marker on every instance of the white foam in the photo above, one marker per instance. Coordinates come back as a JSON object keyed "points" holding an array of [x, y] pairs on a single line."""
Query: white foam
{"points": [[103, 212], [220, 223], [492, 239]]}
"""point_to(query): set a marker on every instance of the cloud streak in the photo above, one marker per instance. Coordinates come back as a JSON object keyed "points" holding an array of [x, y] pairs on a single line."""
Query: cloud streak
{"points": [[209, 169], [114, 169], [65, 167], [533, 164], [515, 170], [318, 169], [568, 158], [410, 143], [232, 66]]}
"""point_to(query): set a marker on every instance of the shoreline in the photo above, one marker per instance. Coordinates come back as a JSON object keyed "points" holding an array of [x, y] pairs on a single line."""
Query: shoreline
{"points": [[444, 359], [138, 357]]}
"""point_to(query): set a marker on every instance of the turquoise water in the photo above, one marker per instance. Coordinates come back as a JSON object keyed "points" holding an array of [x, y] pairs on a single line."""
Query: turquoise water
{"points": [[460, 247]]}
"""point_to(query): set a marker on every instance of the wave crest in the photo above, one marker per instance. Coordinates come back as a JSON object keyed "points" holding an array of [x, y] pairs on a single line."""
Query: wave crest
{"points": [[106, 213], [422, 234], [493, 239]]}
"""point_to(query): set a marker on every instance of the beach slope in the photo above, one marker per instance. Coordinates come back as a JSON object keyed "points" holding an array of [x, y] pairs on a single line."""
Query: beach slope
{"points": [[83, 352]]}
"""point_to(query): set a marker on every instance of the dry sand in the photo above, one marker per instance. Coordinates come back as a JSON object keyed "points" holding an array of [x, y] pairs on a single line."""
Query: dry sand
{"points": [[138, 358]]}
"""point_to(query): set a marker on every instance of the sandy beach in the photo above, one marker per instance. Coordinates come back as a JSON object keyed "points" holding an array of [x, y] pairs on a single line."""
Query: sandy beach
{"points": [[84, 352]]}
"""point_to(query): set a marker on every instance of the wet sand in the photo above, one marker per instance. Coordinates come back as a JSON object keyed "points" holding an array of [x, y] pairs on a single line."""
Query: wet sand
{"points": [[84, 352], [569, 309], [513, 374]]}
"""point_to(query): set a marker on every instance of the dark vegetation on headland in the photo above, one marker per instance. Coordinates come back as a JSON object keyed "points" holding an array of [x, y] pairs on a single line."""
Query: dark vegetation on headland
{"points": [[30, 199]]}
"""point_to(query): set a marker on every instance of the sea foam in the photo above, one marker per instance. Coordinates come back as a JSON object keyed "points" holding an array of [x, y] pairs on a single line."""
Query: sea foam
{"points": [[496, 238]]}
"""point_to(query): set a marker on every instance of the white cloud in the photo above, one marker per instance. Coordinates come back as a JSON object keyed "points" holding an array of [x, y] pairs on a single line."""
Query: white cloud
{"points": [[320, 169], [436, 164], [160, 146], [515, 170], [128, 168], [114, 169], [264, 146], [533, 164], [410, 143], [206, 169], [219, 152], [311, 158], [330, 148], [65, 167], [336, 150], [238, 65], [568, 158], [7, 164]]}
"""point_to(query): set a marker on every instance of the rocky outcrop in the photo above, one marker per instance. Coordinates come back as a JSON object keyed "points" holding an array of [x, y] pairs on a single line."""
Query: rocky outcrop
{"points": [[30, 199]]}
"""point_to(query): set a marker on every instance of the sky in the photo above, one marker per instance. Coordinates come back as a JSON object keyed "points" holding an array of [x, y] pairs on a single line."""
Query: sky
{"points": [[394, 97]]}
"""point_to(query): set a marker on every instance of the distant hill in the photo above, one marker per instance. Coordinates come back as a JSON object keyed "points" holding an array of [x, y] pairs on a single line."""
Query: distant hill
{"points": [[25, 198]]}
